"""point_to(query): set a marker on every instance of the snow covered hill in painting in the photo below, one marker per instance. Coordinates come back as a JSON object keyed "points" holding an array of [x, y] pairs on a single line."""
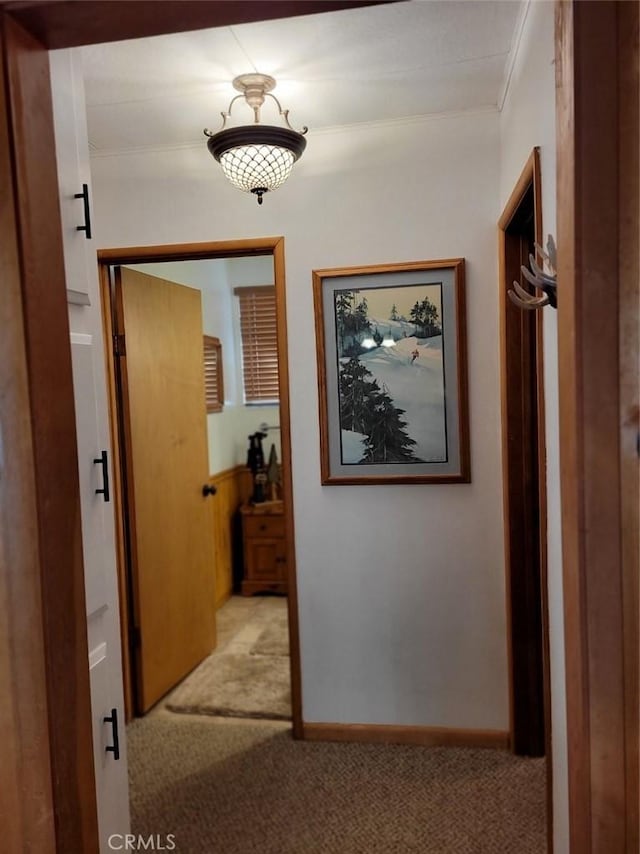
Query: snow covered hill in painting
{"points": [[411, 372]]}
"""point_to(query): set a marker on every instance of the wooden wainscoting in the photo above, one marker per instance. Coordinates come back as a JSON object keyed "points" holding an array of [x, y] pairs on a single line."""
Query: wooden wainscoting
{"points": [[233, 487]]}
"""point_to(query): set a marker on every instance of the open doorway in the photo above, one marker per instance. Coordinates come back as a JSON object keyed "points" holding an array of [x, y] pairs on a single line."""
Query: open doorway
{"points": [[520, 228], [200, 291], [524, 482]]}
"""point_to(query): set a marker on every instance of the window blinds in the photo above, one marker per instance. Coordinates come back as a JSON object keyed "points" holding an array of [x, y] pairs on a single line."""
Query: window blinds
{"points": [[259, 343], [213, 384]]}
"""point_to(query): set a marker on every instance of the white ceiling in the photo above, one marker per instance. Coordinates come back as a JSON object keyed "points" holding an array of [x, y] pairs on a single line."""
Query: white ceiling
{"points": [[374, 63]]}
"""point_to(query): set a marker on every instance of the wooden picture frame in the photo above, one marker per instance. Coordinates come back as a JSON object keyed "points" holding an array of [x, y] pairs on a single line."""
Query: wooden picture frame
{"points": [[392, 373]]}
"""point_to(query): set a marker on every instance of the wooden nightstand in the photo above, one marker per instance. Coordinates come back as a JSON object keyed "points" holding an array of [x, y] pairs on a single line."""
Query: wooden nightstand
{"points": [[264, 548]]}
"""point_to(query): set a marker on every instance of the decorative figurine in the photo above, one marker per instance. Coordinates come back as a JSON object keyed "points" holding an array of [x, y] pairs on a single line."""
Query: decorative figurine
{"points": [[255, 462], [273, 473]]}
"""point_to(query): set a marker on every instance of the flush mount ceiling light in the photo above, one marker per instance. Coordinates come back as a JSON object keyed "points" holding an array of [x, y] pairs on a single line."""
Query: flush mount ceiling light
{"points": [[256, 158]]}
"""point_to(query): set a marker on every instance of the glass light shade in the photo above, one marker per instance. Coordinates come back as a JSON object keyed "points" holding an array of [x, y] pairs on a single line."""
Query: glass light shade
{"points": [[257, 158], [257, 167]]}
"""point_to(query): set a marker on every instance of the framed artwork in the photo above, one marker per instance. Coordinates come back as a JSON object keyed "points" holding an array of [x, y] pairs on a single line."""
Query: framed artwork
{"points": [[392, 373]]}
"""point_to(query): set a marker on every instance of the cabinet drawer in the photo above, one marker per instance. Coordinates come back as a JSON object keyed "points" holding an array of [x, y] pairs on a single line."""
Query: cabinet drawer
{"points": [[264, 526]]}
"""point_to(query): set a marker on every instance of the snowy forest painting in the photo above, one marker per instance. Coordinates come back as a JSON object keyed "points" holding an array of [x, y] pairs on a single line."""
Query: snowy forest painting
{"points": [[390, 373]]}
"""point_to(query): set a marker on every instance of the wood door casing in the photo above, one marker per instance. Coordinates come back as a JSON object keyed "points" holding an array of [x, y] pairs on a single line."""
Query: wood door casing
{"points": [[597, 132], [273, 246], [44, 575], [524, 473], [166, 461], [24, 688], [523, 519]]}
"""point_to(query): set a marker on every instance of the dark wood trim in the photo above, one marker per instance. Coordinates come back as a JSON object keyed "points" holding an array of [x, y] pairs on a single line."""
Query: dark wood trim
{"points": [[629, 347], [273, 246], [513, 457], [418, 735], [24, 723], [66, 23], [55, 456], [512, 353], [591, 134]]}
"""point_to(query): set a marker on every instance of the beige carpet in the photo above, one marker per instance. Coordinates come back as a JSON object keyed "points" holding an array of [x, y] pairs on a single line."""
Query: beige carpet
{"points": [[225, 786], [248, 675], [274, 638]]}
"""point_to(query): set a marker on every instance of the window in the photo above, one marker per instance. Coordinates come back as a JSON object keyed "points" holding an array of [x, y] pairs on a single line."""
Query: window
{"points": [[213, 384], [259, 343]]}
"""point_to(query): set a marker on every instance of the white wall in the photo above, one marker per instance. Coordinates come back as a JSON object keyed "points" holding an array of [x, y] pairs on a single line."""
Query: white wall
{"points": [[215, 279], [527, 120], [401, 588]]}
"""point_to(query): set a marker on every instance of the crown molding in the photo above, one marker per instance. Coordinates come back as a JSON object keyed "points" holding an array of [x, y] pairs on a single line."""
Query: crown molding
{"points": [[97, 153], [513, 53]]}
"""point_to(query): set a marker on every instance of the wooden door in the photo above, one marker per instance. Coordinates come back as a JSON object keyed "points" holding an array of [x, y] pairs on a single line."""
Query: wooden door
{"points": [[170, 535]]}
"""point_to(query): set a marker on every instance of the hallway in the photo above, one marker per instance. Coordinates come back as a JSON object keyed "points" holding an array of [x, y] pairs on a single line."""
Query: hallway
{"points": [[225, 786]]}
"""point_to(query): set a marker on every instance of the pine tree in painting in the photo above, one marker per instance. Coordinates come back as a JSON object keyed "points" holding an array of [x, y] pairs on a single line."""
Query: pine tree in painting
{"points": [[344, 302], [388, 440], [362, 320], [366, 408], [352, 322], [355, 388], [424, 315], [414, 314], [394, 313], [429, 318]]}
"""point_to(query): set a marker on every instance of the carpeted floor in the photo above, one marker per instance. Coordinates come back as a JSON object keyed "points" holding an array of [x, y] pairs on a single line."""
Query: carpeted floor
{"points": [[224, 786], [248, 674]]}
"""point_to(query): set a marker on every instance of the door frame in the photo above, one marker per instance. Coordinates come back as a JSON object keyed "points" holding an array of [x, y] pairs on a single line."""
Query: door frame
{"points": [[512, 357], [41, 522], [266, 246], [598, 290]]}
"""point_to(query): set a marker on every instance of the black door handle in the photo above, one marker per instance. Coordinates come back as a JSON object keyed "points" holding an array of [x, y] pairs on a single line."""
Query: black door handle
{"points": [[113, 720], [102, 461], [208, 489], [84, 195]]}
